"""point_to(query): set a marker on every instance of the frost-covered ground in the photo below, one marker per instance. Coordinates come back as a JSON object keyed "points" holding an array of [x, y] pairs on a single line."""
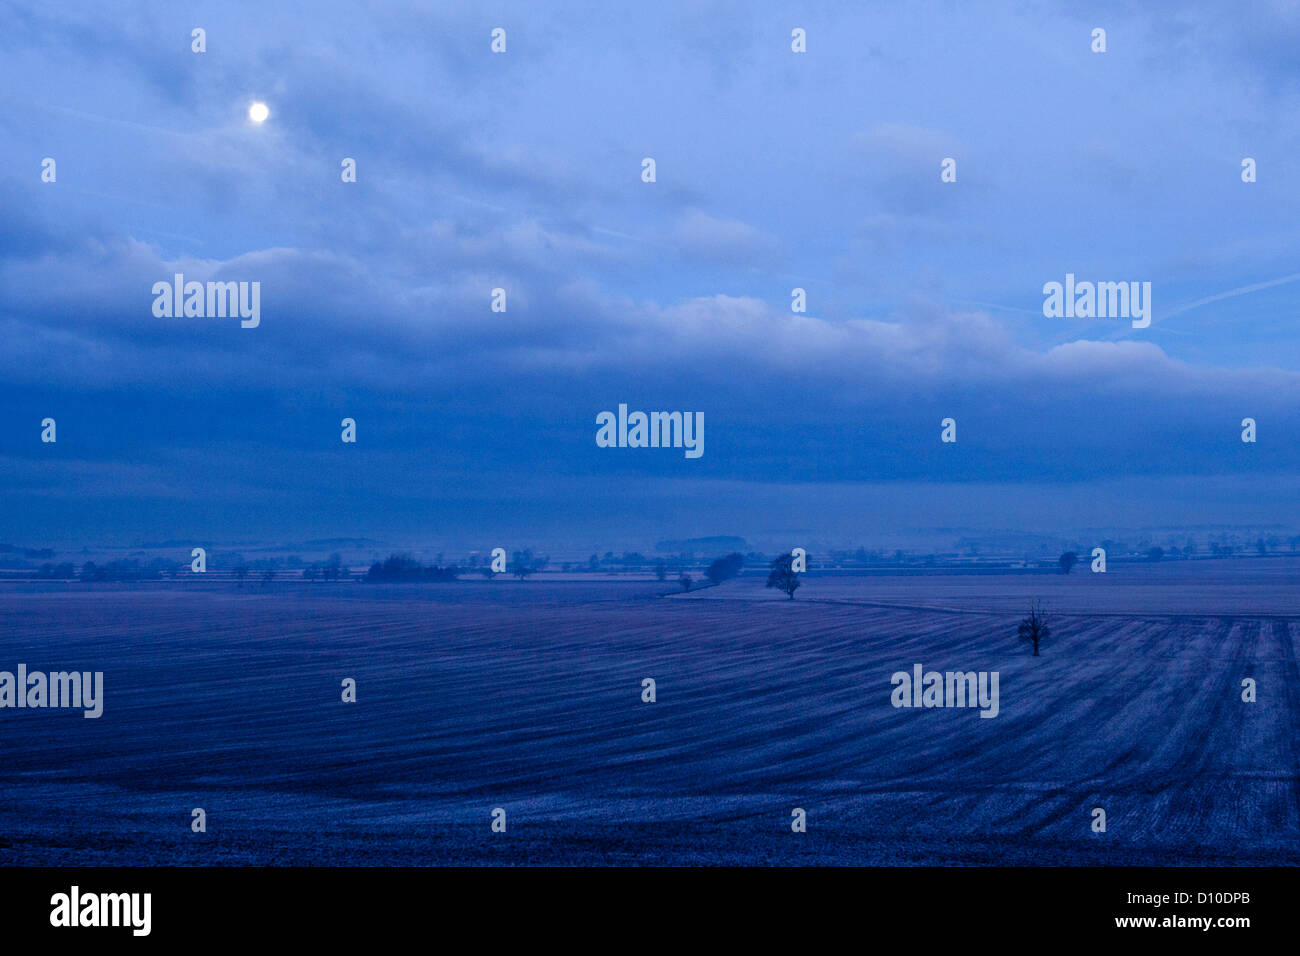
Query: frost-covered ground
{"points": [[527, 696]]}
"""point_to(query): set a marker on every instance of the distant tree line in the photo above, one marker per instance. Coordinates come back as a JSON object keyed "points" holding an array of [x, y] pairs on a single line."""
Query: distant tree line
{"points": [[119, 571], [403, 567], [724, 569], [57, 572], [782, 574], [521, 564], [329, 570]]}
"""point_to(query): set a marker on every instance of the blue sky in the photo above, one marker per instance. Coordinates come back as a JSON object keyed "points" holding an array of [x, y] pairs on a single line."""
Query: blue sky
{"points": [[522, 170]]}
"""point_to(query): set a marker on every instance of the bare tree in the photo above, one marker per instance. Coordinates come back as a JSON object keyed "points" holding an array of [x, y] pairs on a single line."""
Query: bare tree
{"points": [[1034, 628]]}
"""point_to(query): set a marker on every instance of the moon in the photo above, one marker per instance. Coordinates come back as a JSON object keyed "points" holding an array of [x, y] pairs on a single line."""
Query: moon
{"points": [[258, 112]]}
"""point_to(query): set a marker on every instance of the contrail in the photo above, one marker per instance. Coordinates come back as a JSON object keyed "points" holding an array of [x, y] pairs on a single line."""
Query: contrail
{"points": [[1176, 310], [1160, 316], [1231, 293], [97, 117], [1001, 308]]}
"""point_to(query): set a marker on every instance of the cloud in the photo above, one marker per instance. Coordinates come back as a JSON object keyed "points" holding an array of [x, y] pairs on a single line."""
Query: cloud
{"points": [[907, 141], [727, 242], [521, 171]]}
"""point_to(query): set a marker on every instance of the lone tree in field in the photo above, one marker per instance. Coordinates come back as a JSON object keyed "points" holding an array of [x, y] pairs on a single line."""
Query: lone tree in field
{"points": [[783, 575], [685, 582], [1034, 628], [1067, 561]]}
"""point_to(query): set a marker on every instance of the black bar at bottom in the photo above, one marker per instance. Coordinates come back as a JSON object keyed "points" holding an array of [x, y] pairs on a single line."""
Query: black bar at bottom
{"points": [[336, 905]]}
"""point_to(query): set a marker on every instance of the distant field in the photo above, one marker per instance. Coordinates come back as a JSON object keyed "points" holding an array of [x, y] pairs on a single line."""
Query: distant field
{"points": [[1240, 587], [527, 696]]}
